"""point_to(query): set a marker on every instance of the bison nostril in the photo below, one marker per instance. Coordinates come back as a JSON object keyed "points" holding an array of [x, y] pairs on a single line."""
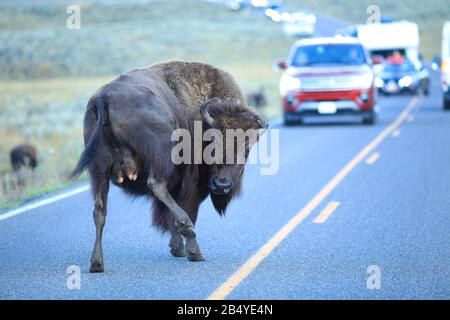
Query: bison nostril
{"points": [[222, 184]]}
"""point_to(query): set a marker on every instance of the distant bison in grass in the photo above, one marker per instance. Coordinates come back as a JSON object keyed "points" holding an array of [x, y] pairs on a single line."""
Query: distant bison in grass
{"points": [[127, 132], [257, 99], [23, 156]]}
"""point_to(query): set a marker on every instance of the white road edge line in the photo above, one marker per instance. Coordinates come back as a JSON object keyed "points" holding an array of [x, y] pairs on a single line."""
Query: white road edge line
{"points": [[373, 158], [43, 202]]}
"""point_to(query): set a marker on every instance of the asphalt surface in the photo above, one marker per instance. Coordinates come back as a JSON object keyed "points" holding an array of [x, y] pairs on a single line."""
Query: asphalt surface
{"points": [[394, 214]]}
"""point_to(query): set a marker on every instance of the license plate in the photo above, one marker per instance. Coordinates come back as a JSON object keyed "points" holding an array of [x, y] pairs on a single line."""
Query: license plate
{"points": [[391, 87], [327, 108]]}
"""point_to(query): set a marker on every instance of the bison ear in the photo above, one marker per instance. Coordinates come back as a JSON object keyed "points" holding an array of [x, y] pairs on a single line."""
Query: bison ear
{"points": [[206, 116]]}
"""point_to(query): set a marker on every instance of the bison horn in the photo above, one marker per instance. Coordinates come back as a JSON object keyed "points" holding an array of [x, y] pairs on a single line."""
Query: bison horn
{"points": [[204, 111]]}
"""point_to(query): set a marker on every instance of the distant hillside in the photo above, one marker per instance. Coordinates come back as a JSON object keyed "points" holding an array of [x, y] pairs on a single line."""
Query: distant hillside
{"points": [[118, 35]]}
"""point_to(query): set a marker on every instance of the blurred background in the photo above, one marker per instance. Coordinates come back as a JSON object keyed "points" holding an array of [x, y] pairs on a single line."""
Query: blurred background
{"points": [[48, 72]]}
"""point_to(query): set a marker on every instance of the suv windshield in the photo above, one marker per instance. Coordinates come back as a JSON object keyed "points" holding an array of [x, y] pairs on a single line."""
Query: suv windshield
{"points": [[352, 54], [403, 67]]}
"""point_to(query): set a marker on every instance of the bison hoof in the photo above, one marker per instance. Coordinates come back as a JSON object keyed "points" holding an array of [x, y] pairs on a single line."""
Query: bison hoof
{"points": [[197, 256], [193, 250], [97, 267], [178, 252]]}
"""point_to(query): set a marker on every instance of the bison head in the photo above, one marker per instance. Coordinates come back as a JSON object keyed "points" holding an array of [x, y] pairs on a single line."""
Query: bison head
{"points": [[240, 128]]}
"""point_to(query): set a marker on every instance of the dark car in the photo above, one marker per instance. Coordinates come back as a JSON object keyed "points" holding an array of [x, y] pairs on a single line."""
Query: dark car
{"points": [[395, 78]]}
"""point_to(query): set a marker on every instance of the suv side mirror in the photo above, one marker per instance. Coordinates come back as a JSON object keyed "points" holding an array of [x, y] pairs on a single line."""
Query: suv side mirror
{"points": [[281, 64]]}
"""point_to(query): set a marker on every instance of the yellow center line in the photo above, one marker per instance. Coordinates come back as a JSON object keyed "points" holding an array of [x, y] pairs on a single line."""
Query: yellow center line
{"points": [[254, 261], [373, 158], [327, 212]]}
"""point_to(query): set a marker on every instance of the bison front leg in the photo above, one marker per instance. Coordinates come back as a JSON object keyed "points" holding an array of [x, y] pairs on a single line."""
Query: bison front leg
{"points": [[177, 248], [193, 250], [182, 220], [176, 245]]}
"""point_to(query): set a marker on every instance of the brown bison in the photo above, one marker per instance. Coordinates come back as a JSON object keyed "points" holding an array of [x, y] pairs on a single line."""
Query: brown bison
{"points": [[23, 156], [257, 99], [127, 132]]}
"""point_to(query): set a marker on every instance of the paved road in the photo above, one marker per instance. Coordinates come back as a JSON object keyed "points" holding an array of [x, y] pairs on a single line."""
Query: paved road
{"points": [[394, 213]]}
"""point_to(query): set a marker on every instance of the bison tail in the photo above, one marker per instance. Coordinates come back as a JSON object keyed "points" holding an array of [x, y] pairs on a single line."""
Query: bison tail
{"points": [[162, 219], [92, 145]]}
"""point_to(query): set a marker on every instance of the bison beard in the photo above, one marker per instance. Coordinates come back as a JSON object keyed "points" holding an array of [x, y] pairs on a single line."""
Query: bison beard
{"points": [[127, 132], [220, 202]]}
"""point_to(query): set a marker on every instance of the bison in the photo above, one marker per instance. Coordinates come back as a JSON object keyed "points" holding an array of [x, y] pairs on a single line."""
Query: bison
{"points": [[257, 99], [128, 127], [23, 156]]}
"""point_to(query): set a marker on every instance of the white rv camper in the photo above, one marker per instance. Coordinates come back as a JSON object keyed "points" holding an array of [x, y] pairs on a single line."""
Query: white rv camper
{"points": [[383, 39]]}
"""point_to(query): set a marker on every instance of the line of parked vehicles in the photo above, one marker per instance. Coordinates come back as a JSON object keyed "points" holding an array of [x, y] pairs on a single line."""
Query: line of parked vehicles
{"points": [[295, 22], [346, 73]]}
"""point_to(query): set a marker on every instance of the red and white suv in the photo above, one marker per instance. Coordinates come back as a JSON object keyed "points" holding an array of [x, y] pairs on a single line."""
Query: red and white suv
{"points": [[328, 76]]}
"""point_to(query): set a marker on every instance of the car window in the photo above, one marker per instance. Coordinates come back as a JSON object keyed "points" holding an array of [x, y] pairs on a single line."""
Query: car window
{"points": [[404, 67], [328, 54]]}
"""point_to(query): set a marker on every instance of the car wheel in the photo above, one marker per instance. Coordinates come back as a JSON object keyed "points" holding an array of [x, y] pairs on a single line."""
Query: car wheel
{"points": [[371, 118], [288, 121], [446, 104]]}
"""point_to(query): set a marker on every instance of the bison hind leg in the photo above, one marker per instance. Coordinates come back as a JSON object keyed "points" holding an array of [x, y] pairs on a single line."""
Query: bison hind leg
{"points": [[100, 175]]}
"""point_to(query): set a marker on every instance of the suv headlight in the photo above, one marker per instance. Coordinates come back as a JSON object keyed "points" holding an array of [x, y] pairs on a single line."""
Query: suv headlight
{"points": [[379, 83], [289, 84], [405, 81], [363, 81]]}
